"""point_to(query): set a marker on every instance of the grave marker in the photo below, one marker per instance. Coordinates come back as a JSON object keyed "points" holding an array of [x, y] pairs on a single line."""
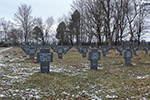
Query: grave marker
{"points": [[84, 51], [120, 49], [45, 57], [60, 51], [54, 48], [66, 49], [128, 56], [135, 49], [29, 50], [104, 51], [146, 48], [100, 47], [94, 56], [79, 48]]}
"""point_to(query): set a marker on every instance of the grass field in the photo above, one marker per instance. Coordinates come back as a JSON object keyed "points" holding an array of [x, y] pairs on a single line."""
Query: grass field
{"points": [[1, 48], [72, 79]]}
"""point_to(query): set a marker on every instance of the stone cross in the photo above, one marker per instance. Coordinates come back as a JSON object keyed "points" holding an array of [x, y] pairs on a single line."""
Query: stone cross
{"points": [[146, 48], [66, 49], [128, 56], [29, 50], [45, 57], [60, 51], [94, 56], [120, 49], [135, 49], [79, 48], [54, 48], [84, 51], [104, 51]]}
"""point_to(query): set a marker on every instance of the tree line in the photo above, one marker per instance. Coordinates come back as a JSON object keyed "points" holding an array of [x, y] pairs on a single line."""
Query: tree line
{"points": [[26, 28], [104, 22], [90, 22]]}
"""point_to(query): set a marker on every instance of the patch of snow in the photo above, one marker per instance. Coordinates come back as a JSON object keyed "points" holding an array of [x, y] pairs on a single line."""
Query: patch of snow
{"points": [[112, 90], [142, 77], [2, 65], [101, 68], [77, 87], [2, 95], [5, 49], [98, 91], [133, 64], [65, 93], [132, 97], [143, 98], [111, 96], [96, 98]]}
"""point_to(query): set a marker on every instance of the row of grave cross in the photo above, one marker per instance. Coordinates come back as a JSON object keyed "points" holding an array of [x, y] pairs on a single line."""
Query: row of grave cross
{"points": [[45, 56]]}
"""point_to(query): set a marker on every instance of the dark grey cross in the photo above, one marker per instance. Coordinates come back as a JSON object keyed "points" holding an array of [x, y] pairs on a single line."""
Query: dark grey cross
{"points": [[100, 47], [79, 48], [84, 51], [135, 48], [104, 50], [128, 56], [54, 48], [60, 51], [146, 48], [94, 56], [45, 57], [120, 49], [66, 49], [29, 50]]}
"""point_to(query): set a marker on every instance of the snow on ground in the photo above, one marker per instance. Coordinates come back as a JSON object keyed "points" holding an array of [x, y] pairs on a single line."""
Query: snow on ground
{"points": [[11, 73], [111, 96], [143, 77], [5, 49], [70, 70]]}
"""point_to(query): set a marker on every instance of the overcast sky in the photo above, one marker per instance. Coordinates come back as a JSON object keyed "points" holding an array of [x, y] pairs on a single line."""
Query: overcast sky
{"points": [[40, 8]]}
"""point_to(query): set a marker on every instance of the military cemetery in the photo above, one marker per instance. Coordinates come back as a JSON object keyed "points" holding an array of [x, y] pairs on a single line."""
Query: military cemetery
{"points": [[99, 51]]}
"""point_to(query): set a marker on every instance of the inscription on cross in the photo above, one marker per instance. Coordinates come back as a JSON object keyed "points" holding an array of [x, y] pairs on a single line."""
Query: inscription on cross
{"points": [[45, 57], [29, 50]]}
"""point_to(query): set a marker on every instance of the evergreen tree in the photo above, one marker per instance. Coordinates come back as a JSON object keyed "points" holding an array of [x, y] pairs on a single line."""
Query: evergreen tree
{"points": [[37, 34], [74, 25], [61, 33]]}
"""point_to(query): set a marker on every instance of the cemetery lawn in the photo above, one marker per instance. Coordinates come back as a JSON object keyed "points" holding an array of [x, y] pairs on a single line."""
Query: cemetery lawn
{"points": [[1, 48], [71, 79]]}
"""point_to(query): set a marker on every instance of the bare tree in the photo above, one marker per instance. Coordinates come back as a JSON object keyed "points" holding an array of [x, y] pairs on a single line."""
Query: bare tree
{"points": [[6, 26], [15, 35], [131, 15], [110, 20], [24, 20], [45, 27], [140, 21], [120, 19]]}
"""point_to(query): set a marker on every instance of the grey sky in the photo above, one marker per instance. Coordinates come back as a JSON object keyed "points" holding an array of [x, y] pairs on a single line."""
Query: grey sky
{"points": [[40, 8]]}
